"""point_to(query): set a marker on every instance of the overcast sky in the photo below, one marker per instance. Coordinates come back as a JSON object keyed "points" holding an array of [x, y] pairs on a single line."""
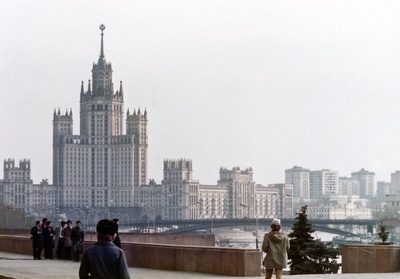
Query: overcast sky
{"points": [[262, 84]]}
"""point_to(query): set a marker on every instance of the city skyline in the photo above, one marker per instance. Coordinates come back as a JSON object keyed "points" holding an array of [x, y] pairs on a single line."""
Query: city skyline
{"points": [[227, 84]]}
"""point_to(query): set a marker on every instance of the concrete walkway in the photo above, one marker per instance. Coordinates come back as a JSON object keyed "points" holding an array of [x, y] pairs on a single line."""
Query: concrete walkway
{"points": [[24, 267]]}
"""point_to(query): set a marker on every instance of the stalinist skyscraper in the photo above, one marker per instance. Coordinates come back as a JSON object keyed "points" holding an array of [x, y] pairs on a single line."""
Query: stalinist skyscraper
{"points": [[103, 165]]}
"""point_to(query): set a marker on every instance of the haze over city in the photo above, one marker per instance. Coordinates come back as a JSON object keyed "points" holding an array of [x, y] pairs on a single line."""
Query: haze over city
{"points": [[259, 84]]}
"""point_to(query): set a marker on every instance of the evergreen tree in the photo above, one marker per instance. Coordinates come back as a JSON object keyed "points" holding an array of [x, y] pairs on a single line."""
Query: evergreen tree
{"points": [[308, 255]]}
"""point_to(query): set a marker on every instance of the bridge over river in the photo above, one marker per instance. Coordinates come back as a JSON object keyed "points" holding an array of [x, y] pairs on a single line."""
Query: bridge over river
{"points": [[340, 227]]}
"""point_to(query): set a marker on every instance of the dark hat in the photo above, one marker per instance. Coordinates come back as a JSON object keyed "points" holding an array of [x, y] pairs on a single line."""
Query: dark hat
{"points": [[116, 220], [62, 222], [107, 227]]}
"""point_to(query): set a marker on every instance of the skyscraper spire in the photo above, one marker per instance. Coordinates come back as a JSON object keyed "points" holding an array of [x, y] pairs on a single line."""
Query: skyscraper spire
{"points": [[102, 27], [121, 92], [82, 91], [89, 88]]}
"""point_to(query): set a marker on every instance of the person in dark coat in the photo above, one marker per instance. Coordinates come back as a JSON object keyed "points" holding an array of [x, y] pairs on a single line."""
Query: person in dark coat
{"points": [[104, 260], [37, 240], [77, 237], [117, 240], [48, 240], [276, 245]]}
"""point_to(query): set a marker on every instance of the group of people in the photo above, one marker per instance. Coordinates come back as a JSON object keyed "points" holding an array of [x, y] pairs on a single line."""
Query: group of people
{"points": [[67, 240], [104, 259]]}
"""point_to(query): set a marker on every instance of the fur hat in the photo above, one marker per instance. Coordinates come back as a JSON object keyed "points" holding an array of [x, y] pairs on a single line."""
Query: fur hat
{"points": [[107, 227], [276, 221]]}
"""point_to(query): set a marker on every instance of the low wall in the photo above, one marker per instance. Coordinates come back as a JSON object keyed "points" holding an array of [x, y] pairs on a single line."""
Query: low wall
{"points": [[370, 258], [184, 239], [213, 260], [175, 239]]}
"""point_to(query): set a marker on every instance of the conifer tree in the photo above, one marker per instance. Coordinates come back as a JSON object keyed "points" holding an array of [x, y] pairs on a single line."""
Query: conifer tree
{"points": [[308, 255]]}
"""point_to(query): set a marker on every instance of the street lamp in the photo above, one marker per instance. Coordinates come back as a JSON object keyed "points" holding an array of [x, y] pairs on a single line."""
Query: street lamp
{"points": [[273, 204], [246, 206], [147, 209], [82, 214], [40, 210]]}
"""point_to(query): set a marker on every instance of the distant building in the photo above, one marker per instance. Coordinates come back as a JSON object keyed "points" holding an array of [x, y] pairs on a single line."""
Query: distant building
{"points": [[17, 189], [16, 184], [349, 186], [382, 189], [235, 195], [395, 183], [102, 166], [367, 183], [323, 182], [392, 204], [300, 179], [340, 212]]}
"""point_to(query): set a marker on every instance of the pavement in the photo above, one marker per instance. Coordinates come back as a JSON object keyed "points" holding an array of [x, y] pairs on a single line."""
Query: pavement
{"points": [[16, 266]]}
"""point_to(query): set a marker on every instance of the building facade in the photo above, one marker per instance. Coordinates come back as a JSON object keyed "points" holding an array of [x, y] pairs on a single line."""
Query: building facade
{"points": [[367, 183], [349, 186], [235, 195], [102, 165], [300, 179], [382, 189], [395, 183], [323, 182], [340, 212]]}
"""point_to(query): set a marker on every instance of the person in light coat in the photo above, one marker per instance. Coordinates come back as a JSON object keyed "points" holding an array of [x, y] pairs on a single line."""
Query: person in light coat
{"points": [[276, 245], [67, 233]]}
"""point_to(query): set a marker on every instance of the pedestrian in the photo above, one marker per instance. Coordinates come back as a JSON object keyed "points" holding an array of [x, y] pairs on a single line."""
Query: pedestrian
{"points": [[276, 246], [117, 240], [104, 260], [48, 240], [59, 242], [77, 237], [67, 233], [44, 222], [37, 240]]}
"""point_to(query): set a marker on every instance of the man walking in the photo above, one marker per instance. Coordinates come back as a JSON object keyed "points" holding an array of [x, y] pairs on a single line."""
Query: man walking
{"points": [[276, 245], [104, 260]]}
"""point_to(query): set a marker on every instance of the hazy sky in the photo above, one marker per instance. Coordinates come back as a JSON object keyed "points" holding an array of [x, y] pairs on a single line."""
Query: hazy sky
{"points": [[262, 84]]}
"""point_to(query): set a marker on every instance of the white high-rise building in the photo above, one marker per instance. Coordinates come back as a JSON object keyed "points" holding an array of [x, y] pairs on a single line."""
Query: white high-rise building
{"points": [[395, 183], [323, 182], [300, 179], [367, 182], [102, 165], [382, 189], [349, 186]]}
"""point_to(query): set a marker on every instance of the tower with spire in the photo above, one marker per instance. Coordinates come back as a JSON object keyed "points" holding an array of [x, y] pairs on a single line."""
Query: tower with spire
{"points": [[101, 166]]}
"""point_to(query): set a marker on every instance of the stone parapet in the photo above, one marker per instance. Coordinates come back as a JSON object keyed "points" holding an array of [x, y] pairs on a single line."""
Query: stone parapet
{"points": [[370, 258], [212, 260]]}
